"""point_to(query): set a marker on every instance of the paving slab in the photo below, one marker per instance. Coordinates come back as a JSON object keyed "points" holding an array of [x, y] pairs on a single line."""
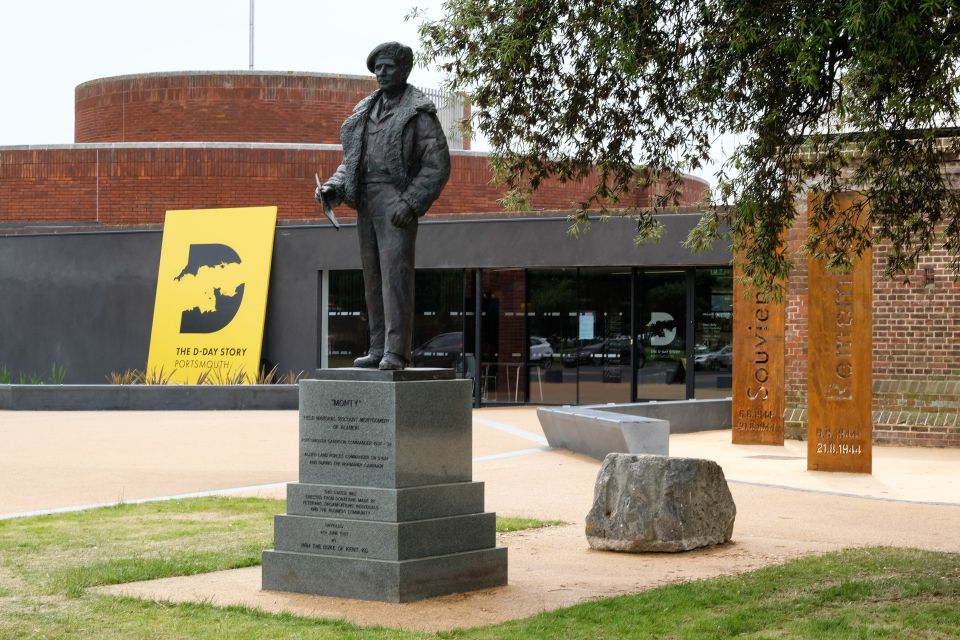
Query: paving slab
{"points": [[62, 459]]}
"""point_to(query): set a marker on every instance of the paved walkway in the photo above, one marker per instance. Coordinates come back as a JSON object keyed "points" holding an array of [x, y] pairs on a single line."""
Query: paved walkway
{"points": [[67, 460]]}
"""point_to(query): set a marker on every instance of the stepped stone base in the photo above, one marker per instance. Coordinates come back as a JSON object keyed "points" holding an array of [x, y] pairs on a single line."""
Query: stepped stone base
{"points": [[385, 507], [385, 540], [384, 580]]}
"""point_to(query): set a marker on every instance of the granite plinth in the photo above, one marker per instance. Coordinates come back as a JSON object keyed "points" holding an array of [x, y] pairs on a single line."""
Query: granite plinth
{"points": [[385, 434], [385, 540], [384, 580], [385, 505]]}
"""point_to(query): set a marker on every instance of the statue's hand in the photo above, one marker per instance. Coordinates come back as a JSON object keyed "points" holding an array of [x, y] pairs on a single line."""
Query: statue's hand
{"points": [[403, 216], [328, 193]]}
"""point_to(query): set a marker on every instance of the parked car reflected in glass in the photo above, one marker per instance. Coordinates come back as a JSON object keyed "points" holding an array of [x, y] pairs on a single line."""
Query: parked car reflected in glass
{"points": [[541, 353], [615, 350], [721, 358], [443, 350]]}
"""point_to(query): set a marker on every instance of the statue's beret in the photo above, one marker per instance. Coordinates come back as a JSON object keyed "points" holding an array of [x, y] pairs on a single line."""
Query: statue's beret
{"points": [[400, 53]]}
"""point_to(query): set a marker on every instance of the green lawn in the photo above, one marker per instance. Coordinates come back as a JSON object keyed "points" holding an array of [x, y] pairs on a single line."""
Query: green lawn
{"points": [[46, 564]]}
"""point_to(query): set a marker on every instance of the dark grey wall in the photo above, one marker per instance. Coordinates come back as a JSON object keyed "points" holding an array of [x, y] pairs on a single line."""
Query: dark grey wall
{"points": [[543, 242], [85, 300]]}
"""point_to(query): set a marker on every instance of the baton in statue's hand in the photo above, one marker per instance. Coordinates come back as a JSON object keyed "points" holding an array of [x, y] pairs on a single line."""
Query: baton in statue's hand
{"points": [[326, 207]]}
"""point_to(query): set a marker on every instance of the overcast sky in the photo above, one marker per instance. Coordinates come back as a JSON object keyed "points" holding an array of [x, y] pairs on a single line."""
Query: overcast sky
{"points": [[48, 47]]}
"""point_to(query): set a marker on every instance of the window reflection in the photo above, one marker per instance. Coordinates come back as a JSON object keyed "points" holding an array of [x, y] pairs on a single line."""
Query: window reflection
{"points": [[661, 362], [552, 331], [558, 336], [713, 326], [503, 341], [438, 320], [603, 332], [347, 332]]}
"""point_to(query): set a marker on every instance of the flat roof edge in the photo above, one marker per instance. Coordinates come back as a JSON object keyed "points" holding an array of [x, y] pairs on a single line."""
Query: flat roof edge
{"points": [[224, 72]]}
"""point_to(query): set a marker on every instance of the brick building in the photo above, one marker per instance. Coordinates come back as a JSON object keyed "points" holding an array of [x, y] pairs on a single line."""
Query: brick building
{"points": [[916, 349], [560, 320], [80, 234], [145, 144]]}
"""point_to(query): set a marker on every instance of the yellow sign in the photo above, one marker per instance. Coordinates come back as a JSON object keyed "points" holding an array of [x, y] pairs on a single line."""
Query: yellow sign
{"points": [[212, 295]]}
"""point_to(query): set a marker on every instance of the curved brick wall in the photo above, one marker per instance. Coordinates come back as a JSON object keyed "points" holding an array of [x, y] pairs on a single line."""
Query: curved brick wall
{"points": [[228, 106], [220, 139], [128, 184]]}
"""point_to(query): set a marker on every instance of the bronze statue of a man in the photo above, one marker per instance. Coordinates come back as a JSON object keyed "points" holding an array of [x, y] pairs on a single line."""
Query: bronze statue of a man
{"points": [[395, 163]]}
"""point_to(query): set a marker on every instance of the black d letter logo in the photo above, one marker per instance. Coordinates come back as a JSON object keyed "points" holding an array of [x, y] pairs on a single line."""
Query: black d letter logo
{"points": [[209, 264]]}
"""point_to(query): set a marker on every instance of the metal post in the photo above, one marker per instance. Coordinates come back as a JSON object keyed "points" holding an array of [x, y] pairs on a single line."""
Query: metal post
{"points": [[576, 367], [323, 342], [690, 329], [251, 35], [635, 344], [478, 378]]}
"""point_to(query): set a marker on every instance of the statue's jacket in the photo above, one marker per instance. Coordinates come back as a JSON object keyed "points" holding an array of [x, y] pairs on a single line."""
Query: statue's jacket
{"points": [[418, 158]]}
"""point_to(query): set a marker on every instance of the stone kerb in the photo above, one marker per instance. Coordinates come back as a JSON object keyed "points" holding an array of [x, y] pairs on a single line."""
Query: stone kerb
{"points": [[684, 416], [170, 397]]}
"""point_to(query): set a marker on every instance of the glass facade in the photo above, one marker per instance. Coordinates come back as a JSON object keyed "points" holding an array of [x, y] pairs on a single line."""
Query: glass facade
{"points": [[552, 335], [347, 319], [661, 360], [438, 320], [713, 327], [603, 336], [560, 336]]}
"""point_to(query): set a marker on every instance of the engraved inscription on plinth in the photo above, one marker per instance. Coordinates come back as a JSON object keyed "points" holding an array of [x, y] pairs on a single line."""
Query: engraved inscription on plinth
{"points": [[758, 367], [393, 435], [367, 503], [385, 540], [840, 368]]}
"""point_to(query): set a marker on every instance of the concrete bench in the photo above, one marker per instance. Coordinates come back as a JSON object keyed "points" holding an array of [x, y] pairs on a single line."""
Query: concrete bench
{"points": [[643, 427]]}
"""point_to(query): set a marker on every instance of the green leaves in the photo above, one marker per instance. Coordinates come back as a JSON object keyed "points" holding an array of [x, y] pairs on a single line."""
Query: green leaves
{"points": [[625, 86]]}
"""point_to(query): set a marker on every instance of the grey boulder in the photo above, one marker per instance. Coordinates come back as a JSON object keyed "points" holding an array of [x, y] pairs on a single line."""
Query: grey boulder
{"points": [[656, 503]]}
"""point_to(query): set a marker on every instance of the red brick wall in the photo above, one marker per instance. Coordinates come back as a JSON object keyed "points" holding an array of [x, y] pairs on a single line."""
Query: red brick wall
{"points": [[214, 107], [795, 329], [135, 184], [916, 349], [917, 321], [41, 185]]}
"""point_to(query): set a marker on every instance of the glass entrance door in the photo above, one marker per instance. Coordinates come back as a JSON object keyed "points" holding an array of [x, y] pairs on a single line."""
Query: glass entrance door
{"points": [[713, 326], [604, 336], [552, 336], [660, 361], [502, 343]]}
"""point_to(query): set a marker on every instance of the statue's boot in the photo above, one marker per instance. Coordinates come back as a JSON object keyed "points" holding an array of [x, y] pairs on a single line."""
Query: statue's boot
{"points": [[369, 361], [392, 362]]}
